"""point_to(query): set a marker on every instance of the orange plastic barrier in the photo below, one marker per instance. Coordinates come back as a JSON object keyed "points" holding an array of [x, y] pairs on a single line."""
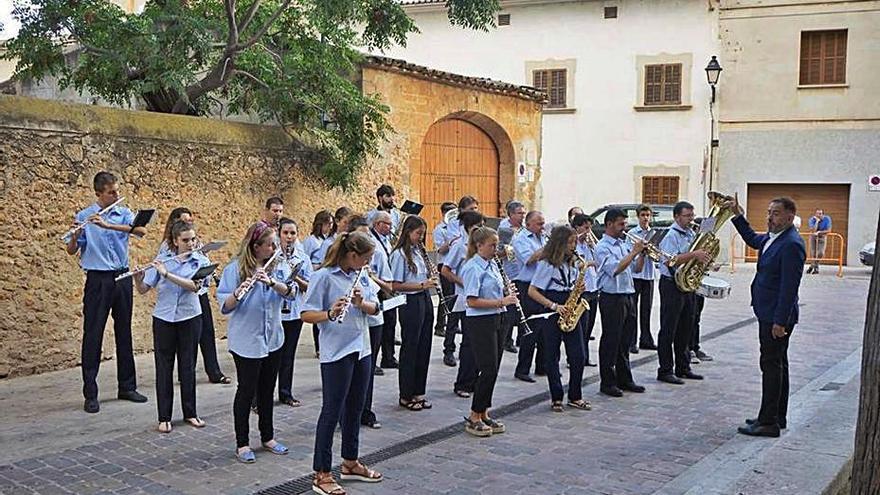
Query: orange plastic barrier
{"points": [[834, 251]]}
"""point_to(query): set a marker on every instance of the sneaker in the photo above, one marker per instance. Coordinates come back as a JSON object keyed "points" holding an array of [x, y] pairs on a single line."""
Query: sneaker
{"points": [[702, 356], [693, 358]]}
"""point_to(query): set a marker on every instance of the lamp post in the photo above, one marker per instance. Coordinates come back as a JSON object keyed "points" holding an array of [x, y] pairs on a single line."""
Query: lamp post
{"points": [[713, 73]]}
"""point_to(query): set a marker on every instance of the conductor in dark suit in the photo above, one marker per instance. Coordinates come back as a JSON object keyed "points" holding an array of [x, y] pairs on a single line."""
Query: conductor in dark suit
{"points": [[781, 256]]}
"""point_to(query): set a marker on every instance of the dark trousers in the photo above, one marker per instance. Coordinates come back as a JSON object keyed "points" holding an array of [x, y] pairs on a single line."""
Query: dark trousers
{"points": [[375, 342], [255, 376], [588, 321], [644, 298], [574, 349], [453, 327], [388, 328], [207, 341], [774, 374], [344, 389], [416, 325], [449, 291], [292, 330], [101, 296], [315, 338], [170, 341], [676, 324], [485, 335], [618, 321], [466, 378], [699, 302], [529, 344]]}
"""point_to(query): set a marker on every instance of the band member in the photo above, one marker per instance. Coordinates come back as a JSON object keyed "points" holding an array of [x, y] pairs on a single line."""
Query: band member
{"points": [[527, 245], [554, 279], [575, 210], [453, 327], [416, 316], [339, 299], [442, 242], [205, 335], [297, 260], [251, 295], [643, 279], [781, 257], [380, 276], [102, 244], [340, 221], [176, 322], [385, 198], [516, 214], [616, 305], [676, 306], [466, 203], [381, 232], [273, 211], [318, 241], [483, 290], [452, 271], [586, 249]]}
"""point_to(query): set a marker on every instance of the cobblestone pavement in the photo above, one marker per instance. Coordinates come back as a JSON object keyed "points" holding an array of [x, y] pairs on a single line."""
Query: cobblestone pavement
{"points": [[672, 439]]}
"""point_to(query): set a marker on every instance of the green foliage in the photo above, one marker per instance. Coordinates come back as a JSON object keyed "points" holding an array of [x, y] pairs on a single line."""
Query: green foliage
{"points": [[285, 62]]}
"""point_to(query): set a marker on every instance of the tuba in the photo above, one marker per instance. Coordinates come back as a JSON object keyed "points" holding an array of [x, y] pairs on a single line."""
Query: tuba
{"points": [[575, 305], [689, 275]]}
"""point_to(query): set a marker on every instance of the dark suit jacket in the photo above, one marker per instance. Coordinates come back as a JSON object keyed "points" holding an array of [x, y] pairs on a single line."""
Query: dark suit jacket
{"points": [[775, 288]]}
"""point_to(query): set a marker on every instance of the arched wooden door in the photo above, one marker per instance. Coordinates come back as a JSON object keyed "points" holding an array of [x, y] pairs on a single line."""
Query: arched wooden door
{"points": [[458, 159]]}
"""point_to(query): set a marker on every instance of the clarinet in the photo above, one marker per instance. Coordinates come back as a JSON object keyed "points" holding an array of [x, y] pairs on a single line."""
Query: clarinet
{"points": [[523, 321], [432, 273]]}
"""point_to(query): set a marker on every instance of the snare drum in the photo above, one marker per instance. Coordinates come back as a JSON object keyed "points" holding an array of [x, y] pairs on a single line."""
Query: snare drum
{"points": [[714, 288]]}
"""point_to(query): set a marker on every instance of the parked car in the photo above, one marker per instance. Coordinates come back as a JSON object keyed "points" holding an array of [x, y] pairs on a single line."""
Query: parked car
{"points": [[866, 254], [662, 217]]}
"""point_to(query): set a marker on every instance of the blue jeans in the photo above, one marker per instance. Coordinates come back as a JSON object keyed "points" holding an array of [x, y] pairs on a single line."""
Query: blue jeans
{"points": [[344, 388]]}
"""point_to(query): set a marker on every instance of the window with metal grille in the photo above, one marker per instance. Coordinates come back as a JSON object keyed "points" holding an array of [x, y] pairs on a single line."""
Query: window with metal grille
{"points": [[823, 57], [504, 19], [553, 82], [660, 190], [611, 12], [663, 84]]}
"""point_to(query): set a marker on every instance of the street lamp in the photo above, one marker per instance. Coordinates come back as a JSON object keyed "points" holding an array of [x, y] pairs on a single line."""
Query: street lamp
{"points": [[713, 72]]}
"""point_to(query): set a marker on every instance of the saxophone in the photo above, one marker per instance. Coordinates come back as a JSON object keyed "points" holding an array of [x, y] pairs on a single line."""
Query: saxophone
{"points": [[689, 276], [575, 305]]}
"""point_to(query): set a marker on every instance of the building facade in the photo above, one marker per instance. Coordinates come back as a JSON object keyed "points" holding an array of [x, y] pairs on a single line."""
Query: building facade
{"points": [[799, 112], [627, 118]]}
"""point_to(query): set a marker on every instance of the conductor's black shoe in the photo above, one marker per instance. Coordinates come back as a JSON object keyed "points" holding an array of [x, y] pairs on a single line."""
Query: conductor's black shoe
{"points": [[782, 424], [612, 391], [131, 395], [525, 378], [650, 346], [91, 406], [633, 350], [632, 387], [756, 430], [670, 378], [449, 360], [690, 375]]}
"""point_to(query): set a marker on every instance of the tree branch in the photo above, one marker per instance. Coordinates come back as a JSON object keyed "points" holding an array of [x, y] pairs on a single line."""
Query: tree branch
{"points": [[266, 26], [232, 38], [249, 15], [252, 78]]}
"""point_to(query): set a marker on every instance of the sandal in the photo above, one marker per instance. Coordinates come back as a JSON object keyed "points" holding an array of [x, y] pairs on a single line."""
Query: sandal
{"points": [[556, 406], [245, 455], [278, 448], [359, 472], [477, 428], [222, 379], [463, 394], [326, 485], [425, 404], [497, 426], [580, 404], [164, 427], [196, 422], [412, 405], [290, 401]]}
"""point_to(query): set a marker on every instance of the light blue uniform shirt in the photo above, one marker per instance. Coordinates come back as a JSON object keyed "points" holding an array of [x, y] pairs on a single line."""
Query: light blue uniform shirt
{"points": [[254, 326], [649, 270], [440, 236], [164, 252], [402, 273], [382, 242], [549, 277], [676, 241], [336, 339], [482, 280], [525, 244], [380, 267], [511, 268], [103, 249], [173, 302], [589, 254], [456, 259], [609, 252], [316, 248], [305, 273]]}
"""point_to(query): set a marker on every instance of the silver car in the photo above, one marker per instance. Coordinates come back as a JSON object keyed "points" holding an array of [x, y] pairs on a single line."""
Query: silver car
{"points": [[866, 254]]}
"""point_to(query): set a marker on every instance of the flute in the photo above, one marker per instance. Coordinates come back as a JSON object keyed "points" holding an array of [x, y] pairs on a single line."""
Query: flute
{"points": [[350, 295], [252, 280], [67, 235], [211, 246]]}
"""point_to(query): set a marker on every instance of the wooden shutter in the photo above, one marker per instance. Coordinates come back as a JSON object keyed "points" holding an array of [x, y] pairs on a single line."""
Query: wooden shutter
{"points": [[662, 190], [553, 81], [823, 57], [663, 84]]}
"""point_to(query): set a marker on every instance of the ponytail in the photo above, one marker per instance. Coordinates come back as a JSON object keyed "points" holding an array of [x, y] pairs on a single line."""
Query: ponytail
{"points": [[347, 242]]}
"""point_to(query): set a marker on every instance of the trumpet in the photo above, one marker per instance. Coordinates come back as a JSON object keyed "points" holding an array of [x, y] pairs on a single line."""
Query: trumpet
{"points": [[204, 248], [69, 234], [252, 280], [653, 251], [350, 295], [590, 237]]}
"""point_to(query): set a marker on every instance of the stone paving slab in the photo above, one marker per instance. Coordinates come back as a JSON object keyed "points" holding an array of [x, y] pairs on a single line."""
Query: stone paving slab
{"points": [[639, 444]]}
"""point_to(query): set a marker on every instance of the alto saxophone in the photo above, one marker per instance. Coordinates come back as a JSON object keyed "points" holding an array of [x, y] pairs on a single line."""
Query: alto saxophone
{"points": [[575, 305]]}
